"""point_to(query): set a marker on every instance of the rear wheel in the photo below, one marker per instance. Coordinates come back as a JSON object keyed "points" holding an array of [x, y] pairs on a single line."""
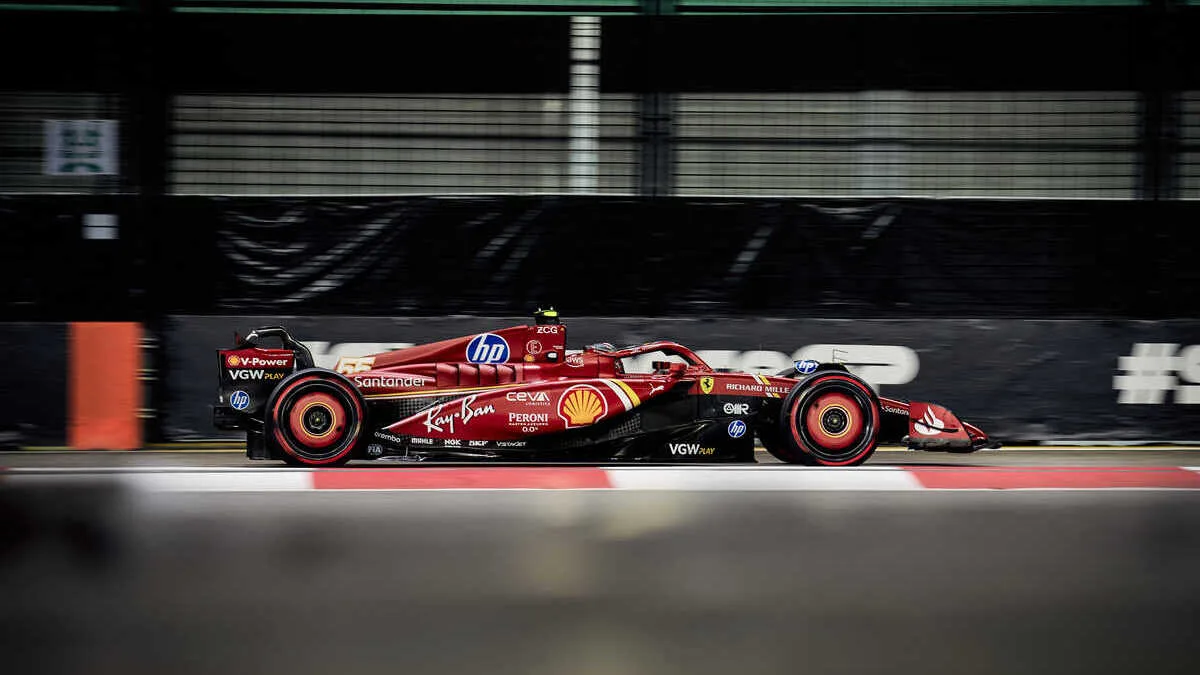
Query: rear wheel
{"points": [[830, 419], [315, 419]]}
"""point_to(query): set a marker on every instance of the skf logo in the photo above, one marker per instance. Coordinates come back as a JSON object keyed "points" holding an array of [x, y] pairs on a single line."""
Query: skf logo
{"points": [[349, 365], [706, 385], [581, 405]]}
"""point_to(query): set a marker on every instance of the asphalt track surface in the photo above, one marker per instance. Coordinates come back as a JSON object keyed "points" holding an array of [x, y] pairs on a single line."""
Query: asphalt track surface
{"points": [[96, 579], [223, 455]]}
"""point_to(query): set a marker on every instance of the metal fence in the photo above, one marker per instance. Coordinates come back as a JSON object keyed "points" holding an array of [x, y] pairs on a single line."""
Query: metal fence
{"points": [[24, 134], [914, 144], [856, 140], [274, 145], [1189, 158]]}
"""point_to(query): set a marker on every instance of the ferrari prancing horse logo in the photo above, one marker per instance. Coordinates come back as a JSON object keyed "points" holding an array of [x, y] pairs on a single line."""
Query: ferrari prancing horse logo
{"points": [[706, 384]]}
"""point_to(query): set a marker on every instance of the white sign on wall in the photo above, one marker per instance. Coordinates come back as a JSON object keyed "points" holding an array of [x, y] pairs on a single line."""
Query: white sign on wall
{"points": [[81, 147]]}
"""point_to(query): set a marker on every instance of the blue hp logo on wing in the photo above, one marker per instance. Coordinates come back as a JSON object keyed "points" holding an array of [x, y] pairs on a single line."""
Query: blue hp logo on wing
{"points": [[737, 429], [240, 400], [806, 366], [487, 348]]}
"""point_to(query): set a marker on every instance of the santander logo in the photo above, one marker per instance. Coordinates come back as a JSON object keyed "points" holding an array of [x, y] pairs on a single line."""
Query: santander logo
{"points": [[929, 425]]}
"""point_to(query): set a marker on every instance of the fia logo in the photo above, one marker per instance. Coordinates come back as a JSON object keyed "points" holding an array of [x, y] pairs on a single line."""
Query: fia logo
{"points": [[487, 348], [736, 429], [240, 400]]}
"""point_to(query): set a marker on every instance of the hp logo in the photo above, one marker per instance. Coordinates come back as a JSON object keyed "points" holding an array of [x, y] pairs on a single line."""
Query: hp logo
{"points": [[806, 366], [240, 400], [487, 348], [737, 429]]}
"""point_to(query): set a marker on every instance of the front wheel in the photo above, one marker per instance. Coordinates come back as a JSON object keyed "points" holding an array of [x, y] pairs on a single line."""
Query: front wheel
{"points": [[315, 418], [830, 419]]}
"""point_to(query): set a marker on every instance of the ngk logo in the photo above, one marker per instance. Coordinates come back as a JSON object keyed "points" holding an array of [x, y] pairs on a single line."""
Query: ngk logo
{"points": [[235, 361]]}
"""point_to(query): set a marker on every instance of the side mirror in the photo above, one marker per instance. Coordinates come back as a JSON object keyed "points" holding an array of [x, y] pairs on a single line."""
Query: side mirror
{"points": [[677, 369]]}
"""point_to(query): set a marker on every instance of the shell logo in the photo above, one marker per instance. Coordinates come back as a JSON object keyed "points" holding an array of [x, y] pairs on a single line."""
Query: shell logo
{"points": [[233, 360], [581, 405]]}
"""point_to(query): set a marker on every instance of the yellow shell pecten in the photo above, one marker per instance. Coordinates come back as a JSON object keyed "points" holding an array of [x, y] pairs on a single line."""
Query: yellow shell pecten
{"points": [[582, 406]]}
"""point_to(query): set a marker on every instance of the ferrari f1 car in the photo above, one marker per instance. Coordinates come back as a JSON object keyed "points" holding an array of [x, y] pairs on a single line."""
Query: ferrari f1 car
{"points": [[518, 394]]}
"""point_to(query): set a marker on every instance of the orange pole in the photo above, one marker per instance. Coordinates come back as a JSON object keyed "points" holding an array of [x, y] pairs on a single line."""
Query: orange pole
{"points": [[103, 390]]}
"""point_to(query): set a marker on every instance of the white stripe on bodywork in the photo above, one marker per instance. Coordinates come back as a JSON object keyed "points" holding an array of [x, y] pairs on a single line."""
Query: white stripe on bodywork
{"points": [[624, 398]]}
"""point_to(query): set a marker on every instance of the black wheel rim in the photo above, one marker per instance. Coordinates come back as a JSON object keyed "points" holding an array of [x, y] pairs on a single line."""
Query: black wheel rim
{"points": [[834, 421], [316, 420]]}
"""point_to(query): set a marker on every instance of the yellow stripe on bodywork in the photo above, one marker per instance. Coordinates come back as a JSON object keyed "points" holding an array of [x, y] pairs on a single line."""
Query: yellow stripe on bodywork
{"points": [[765, 383], [628, 392]]}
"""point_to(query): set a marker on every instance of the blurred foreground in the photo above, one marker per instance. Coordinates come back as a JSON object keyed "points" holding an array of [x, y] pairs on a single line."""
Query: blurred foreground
{"points": [[99, 581]]}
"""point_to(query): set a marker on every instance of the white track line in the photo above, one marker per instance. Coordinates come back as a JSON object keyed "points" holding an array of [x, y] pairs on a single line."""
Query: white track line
{"points": [[649, 478]]}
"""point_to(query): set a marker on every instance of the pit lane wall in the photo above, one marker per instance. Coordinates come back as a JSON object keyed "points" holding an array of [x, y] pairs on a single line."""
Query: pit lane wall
{"points": [[78, 385], [1020, 380]]}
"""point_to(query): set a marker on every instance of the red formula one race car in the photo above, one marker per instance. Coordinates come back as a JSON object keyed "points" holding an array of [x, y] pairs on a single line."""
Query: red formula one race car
{"points": [[516, 394]]}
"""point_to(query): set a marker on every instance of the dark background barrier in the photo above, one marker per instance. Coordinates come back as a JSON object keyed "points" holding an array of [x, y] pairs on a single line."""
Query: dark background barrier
{"points": [[608, 256], [1019, 380], [664, 257], [35, 384]]}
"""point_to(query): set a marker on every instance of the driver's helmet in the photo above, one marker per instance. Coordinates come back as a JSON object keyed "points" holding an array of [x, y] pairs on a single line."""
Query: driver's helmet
{"points": [[544, 317]]}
